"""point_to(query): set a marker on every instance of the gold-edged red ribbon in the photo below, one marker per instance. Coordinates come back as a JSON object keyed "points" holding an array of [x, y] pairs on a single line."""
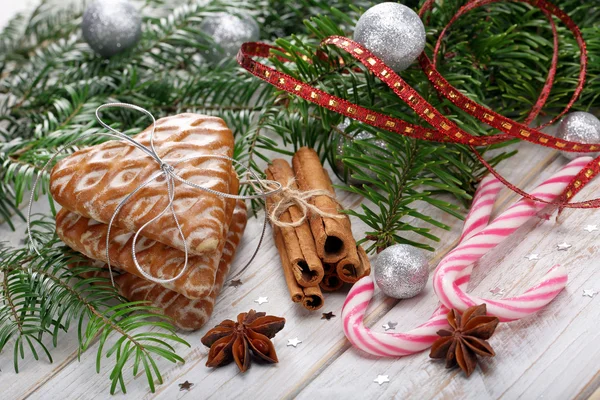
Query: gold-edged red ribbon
{"points": [[443, 129]]}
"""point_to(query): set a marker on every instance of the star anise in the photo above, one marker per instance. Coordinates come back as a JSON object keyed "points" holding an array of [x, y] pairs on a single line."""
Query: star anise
{"points": [[233, 341], [466, 338]]}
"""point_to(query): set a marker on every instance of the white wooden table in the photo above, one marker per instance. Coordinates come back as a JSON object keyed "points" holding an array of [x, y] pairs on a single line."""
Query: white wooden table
{"points": [[554, 354]]}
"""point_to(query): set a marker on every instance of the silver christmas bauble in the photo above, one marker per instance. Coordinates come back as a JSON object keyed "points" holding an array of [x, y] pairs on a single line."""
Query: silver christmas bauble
{"points": [[111, 26], [401, 271], [393, 32], [343, 142], [228, 32], [581, 127]]}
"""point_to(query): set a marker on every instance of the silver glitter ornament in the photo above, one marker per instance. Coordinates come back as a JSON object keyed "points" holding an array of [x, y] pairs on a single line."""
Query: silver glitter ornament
{"points": [[393, 32], [579, 127], [341, 144], [401, 271], [228, 32], [111, 26]]}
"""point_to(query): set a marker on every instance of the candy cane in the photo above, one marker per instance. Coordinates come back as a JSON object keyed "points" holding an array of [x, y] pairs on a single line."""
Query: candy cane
{"points": [[400, 344], [392, 344], [459, 263]]}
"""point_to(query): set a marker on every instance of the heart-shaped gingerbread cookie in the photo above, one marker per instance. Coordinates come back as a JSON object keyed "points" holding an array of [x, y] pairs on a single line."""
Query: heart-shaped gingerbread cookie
{"points": [[91, 182]]}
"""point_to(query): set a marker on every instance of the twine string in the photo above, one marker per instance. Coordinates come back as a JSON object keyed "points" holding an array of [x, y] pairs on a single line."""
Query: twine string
{"points": [[289, 197]]}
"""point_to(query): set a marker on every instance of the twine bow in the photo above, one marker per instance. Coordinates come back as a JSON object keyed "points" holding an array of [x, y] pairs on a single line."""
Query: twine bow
{"points": [[263, 187], [289, 197]]}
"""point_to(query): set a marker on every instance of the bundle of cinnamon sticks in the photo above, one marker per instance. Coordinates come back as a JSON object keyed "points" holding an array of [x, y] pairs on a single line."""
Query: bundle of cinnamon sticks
{"points": [[320, 253]]}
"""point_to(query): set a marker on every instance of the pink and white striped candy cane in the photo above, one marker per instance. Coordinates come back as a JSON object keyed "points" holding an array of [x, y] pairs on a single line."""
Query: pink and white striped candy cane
{"points": [[458, 264], [393, 344], [400, 344], [481, 207]]}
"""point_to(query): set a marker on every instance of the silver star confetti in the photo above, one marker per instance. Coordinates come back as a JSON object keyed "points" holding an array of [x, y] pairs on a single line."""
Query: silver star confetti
{"points": [[294, 342], [389, 326], [591, 228], [589, 293], [381, 379], [564, 246], [497, 291], [261, 300], [532, 257]]}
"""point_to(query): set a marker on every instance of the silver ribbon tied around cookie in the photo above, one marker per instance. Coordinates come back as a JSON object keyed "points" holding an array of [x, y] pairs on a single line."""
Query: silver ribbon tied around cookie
{"points": [[263, 187]]}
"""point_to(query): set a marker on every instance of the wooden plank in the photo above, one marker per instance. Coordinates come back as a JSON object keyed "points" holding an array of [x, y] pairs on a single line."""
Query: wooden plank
{"points": [[595, 395]]}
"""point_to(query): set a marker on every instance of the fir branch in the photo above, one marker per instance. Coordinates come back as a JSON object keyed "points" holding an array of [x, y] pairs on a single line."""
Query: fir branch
{"points": [[52, 293]]}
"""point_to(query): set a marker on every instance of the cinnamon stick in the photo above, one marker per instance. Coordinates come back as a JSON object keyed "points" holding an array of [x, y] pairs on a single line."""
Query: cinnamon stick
{"points": [[364, 261], [331, 283], [329, 268], [354, 266], [313, 298], [333, 237], [348, 268], [299, 242], [296, 293]]}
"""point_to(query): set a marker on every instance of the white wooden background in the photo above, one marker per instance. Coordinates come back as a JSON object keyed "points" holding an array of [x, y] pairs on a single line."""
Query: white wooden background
{"points": [[554, 354]]}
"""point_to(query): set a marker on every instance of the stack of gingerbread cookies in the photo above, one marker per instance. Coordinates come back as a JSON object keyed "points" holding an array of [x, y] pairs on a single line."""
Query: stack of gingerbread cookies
{"points": [[90, 184]]}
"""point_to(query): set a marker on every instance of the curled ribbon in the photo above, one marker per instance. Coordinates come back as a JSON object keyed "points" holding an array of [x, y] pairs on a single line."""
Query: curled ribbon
{"points": [[443, 129]]}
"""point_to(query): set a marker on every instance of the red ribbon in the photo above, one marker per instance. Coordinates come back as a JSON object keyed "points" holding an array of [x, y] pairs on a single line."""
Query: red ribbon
{"points": [[443, 129]]}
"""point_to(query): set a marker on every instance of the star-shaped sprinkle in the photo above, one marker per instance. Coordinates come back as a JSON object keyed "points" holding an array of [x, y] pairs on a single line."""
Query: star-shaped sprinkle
{"points": [[564, 246], [591, 228], [262, 300], [545, 216], [589, 293], [235, 283], [381, 379], [327, 315], [389, 326], [294, 342], [497, 291], [532, 256], [185, 386]]}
